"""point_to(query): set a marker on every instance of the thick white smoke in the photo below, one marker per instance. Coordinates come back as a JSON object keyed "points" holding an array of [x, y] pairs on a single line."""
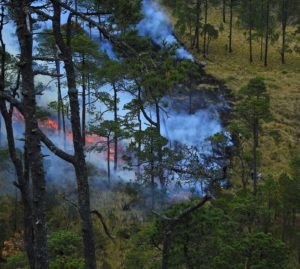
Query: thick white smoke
{"points": [[156, 25], [194, 129]]}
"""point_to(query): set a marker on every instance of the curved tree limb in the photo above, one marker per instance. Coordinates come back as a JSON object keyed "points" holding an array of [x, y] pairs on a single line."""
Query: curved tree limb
{"points": [[101, 219]]}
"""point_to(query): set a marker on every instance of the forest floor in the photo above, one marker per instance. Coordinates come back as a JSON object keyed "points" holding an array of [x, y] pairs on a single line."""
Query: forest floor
{"points": [[281, 135]]}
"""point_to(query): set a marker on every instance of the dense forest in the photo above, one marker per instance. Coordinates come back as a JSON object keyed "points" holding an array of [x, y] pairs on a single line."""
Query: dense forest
{"points": [[147, 134]]}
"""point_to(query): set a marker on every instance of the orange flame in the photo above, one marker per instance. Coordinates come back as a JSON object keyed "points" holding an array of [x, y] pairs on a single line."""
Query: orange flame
{"points": [[49, 124], [52, 126]]}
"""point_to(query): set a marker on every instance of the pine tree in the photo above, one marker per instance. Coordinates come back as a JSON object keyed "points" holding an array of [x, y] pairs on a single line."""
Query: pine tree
{"points": [[253, 110]]}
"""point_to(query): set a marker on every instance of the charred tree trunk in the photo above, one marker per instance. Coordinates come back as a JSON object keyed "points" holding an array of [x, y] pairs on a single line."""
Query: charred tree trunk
{"points": [[80, 163], [32, 138]]}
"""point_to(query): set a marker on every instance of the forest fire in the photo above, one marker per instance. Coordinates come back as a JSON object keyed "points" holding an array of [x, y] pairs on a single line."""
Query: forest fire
{"points": [[51, 126]]}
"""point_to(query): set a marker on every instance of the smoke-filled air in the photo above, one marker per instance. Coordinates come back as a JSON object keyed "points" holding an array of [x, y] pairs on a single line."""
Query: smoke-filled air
{"points": [[149, 134]]}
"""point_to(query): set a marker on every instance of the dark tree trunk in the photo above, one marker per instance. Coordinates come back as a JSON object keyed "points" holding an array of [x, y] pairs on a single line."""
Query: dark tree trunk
{"points": [[262, 34], [205, 28], [190, 32], [197, 28], [284, 18], [250, 31], [116, 121], [188, 259], [83, 116], [88, 74], [27, 215], [139, 142], [255, 145], [32, 138], [152, 177], [224, 11], [166, 246], [160, 156], [21, 173], [60, 103], [267, 33], [230, 27], [22, 184], [261, 48], [80, 163], [108, 160]]}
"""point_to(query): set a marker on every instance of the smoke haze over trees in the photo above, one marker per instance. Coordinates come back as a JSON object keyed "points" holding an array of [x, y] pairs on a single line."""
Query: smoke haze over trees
{"points": [[123, 144]]}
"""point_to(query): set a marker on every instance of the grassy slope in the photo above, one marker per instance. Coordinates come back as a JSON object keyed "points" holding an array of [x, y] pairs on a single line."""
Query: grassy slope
{"points": [[282, 134]]}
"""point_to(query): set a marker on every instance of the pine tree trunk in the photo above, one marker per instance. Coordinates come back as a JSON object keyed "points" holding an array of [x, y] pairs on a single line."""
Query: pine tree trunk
{"points": [[205, 29], [160, 157], [197, 29], [22, 184], [230, 27], [83, 116], [284, 18], [261, 48], [139, 142], [166, 247], [60, 103], [267, 33], [255, 144], [80, 163], [152, 175], [116, 121], [32, 138], [22, 173], [224, 11], [250, 32], [108, 161]]}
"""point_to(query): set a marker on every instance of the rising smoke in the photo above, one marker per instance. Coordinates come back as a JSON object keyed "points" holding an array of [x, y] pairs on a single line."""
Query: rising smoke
{"points": [[157, 25]]}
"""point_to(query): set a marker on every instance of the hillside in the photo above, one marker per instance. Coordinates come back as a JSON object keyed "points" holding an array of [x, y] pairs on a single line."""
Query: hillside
{"points": [[281, 136]]}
